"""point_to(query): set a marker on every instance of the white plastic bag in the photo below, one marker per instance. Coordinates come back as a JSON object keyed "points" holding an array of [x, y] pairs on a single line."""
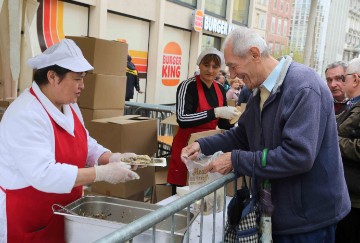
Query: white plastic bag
{"points": [[198, 178]]}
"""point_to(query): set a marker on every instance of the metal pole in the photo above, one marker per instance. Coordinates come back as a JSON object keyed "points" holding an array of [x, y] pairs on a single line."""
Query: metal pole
{"points": [[310, 32]]}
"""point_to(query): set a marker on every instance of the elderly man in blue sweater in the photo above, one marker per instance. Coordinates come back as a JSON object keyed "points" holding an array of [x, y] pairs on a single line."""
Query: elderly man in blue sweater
{"points": [[289, 120]]}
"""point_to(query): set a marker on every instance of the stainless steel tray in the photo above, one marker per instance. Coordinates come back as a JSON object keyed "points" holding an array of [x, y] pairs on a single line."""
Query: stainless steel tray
{"points": [[116, 213]]}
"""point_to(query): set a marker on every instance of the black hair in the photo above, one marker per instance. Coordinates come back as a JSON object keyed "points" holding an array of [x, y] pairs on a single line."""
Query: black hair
{"points": [[40, 75]]}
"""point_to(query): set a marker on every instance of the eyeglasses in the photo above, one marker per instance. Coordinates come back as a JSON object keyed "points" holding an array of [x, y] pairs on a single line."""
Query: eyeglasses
{"points": [[339, 78], [344, 76]]}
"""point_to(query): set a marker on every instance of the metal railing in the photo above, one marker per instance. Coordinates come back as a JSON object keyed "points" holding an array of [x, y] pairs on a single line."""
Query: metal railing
{"points": [[150, 220], [159, 112]]}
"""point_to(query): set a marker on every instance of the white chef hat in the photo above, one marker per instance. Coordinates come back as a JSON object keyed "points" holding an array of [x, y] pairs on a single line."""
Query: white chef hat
{"points": [[65, 54], [208, 51]]}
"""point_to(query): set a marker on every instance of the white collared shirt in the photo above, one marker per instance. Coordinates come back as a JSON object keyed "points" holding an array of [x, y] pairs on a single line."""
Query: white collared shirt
{"points": [[27, 148]]}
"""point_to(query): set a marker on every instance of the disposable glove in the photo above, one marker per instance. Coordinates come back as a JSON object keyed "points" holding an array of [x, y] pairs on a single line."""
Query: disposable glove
{"points": [[226, 112], [114, 173]]}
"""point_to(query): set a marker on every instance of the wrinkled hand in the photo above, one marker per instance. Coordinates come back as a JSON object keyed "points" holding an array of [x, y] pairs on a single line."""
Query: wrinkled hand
{"points": [[190, 152], [114, 173], [226, 112], [221, 164]]}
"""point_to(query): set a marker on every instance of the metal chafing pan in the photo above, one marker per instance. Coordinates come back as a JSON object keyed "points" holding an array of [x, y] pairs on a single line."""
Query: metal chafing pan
{"points": [[115, 213]]}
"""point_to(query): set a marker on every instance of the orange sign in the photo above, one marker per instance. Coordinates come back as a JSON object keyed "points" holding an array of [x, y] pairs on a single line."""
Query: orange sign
{"points": [[198, 20], [171, 64]]}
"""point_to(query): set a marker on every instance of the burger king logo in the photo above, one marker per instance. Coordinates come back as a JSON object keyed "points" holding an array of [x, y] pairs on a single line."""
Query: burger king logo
{"points": [[198, 20], [171, 64]]}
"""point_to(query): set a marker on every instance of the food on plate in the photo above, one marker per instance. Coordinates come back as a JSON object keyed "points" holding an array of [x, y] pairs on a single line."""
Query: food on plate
{"points": [[139, 159]]}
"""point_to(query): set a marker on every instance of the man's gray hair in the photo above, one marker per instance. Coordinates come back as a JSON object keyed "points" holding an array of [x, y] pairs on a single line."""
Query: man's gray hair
{"points": [[354, 66], [243, 39], [336, 64]]}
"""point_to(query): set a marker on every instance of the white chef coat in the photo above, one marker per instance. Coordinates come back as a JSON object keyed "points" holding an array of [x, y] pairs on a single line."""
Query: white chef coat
{"points": [[27, 148]]}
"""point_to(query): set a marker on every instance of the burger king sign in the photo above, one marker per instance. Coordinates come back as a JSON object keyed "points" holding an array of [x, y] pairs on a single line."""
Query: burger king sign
{"points": [[171, 64]]}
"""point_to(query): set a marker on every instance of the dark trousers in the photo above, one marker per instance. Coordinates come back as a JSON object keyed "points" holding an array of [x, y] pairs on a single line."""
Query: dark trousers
{"points": [[348, 229], [324, 235]]}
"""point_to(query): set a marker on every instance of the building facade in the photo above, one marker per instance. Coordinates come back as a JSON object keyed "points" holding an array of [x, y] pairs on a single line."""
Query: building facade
{"points": [[298, 31], [278, 26], [155, 30], [258, 16], [352, 35]]}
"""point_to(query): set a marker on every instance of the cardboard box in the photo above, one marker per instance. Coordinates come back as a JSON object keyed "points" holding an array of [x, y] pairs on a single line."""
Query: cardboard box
{"points": [[197, 135], [90, 114], [231, 102], [161, 192], [136, 197], [103, 92], [130, 188], [107, 57], [129, 133], [171, 120]]}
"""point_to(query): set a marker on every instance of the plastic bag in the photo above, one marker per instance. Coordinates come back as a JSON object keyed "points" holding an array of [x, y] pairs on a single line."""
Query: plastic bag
{"points": [[198, 178]]}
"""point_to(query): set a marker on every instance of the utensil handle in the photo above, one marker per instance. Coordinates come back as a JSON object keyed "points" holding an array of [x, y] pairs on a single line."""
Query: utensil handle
{"points": [[63, 208]]}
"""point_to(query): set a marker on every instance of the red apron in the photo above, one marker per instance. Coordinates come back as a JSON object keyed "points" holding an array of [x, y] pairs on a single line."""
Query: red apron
{"points": [[29, 214], [177, 174]]}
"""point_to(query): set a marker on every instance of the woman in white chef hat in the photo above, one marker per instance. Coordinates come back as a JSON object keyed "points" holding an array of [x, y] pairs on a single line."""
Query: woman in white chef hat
{"points": [[44, 149]]}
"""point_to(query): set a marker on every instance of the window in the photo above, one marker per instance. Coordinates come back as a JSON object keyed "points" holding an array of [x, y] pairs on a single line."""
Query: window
{"points": [[271, 47], [277, 48], [273, 22], [287, 7], [285, 30], [281, 5], [275, 3], [210, 41], [217, 7], [262, 21], [241, 11], [191, 3], [279, 26]]}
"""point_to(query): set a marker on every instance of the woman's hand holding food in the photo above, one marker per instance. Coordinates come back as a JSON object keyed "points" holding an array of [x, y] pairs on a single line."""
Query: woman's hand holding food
{"points": [[114, 173], [120, 157]]}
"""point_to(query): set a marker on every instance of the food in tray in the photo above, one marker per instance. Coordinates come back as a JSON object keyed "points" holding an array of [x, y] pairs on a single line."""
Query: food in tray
{"points": [[139, 159], [144, 160], [100, 215]]}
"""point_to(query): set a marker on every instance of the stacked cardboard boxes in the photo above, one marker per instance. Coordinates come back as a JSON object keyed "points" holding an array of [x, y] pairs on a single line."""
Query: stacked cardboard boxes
{"points": [[126, 134], [105, 86], [102, 105]]}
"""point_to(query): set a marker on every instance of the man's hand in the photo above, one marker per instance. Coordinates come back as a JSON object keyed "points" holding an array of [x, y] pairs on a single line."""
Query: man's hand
{"points": [[221, 164], [190, 152]]}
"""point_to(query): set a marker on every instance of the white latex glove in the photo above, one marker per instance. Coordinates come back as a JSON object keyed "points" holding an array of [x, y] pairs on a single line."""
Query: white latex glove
{"points": [[226, 112], [114, 173]]}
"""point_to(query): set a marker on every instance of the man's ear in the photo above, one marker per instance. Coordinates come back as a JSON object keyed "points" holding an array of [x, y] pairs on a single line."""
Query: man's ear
{"points": [[255, 53], [357, 80]]}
